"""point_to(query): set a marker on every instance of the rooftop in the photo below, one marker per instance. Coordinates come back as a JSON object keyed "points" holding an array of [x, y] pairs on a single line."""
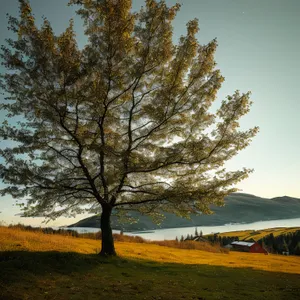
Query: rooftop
{"points": [[247, 244]]}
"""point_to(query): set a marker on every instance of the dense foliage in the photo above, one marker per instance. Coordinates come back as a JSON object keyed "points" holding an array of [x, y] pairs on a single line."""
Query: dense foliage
{"points": [[125, 121], [282, 244]]}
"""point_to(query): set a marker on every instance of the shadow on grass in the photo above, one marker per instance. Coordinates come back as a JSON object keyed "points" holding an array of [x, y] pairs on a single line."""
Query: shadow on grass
{"points": [[59, 275], [40, 263]]}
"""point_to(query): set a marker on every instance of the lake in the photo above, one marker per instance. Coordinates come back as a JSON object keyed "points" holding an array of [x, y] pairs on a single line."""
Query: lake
{"points": [[172, 233]]}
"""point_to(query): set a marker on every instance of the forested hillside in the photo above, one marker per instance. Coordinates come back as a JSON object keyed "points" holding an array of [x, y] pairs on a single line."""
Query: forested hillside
{"points": [[274, 240]]}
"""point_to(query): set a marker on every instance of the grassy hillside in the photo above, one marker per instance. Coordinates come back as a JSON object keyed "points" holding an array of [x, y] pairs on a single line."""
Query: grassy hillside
{"points": [[259, 234], [239, 208], [38, 266]]}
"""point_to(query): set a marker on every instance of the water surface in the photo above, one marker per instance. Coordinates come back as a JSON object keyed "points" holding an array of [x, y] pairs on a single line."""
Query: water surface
{"points": [[172, 233]]}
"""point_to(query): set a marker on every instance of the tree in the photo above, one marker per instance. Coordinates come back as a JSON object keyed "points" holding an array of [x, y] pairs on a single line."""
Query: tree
{"points": [[297, 249], [124, 123]]}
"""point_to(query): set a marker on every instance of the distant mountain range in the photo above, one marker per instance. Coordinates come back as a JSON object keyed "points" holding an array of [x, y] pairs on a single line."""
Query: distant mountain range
{"points": [[239, 208]]}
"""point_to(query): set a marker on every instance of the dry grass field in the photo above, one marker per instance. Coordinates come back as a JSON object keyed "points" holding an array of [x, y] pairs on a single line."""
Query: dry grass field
{"points": [[258, 234], [34, 265], [18, 239]]}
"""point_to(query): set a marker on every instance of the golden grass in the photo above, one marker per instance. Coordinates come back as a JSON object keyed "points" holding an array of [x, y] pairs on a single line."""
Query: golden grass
{"points": [[216, 248], [259, 234], [16, 239], [19, 239], [273, 263], [203, 246]]}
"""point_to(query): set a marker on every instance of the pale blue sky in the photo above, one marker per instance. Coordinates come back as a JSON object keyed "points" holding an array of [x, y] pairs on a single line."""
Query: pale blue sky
{"points": [[259, 46]]}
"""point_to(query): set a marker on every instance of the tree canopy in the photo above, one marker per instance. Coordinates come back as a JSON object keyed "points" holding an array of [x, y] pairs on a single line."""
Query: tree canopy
{"points": [[126, 122]]}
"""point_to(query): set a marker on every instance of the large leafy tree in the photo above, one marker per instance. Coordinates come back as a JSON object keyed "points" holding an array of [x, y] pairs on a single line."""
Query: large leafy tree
{"points": [[124, 122]]}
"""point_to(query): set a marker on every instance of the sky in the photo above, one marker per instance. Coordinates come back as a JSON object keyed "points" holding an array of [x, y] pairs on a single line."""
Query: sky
{"points": [[259, 46]]}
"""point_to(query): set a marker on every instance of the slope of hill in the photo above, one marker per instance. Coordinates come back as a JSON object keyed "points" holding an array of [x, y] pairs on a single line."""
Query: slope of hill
{"points": [[238, 208], [258, 234], [38, 266]]}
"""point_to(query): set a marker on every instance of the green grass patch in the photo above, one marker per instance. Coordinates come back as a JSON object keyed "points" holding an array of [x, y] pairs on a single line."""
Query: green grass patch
{"points": [[57, 275]]}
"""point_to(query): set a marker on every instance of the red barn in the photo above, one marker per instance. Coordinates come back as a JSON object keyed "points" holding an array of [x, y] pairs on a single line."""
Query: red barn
{"points": [[252, 247]]}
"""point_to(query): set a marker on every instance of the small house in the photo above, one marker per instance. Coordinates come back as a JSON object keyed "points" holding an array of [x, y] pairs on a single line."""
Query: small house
{"points": [[252, 247]]}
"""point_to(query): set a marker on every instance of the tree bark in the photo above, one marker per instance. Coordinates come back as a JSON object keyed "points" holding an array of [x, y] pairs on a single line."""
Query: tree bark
{"points": [[108, 247]]}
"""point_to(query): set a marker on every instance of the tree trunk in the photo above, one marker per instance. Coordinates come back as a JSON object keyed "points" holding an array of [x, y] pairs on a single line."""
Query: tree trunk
{"points": [[108, 247]]}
